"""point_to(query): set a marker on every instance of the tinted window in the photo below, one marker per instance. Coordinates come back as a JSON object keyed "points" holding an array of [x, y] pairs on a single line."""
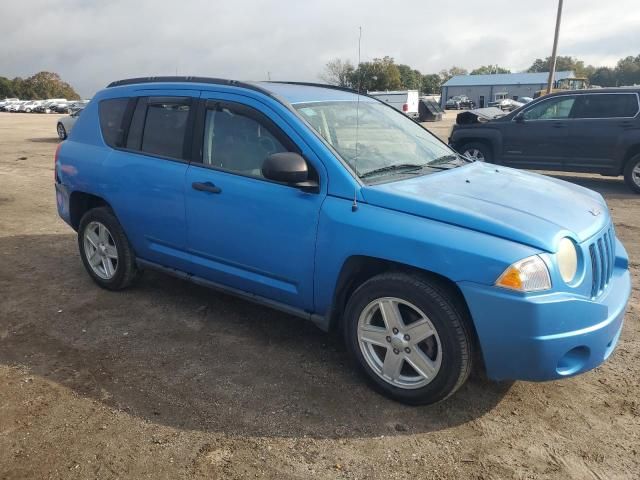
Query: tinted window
{"points": [[553, 108], [609, 105], [234, 139], [111, 115], [164, 129]]}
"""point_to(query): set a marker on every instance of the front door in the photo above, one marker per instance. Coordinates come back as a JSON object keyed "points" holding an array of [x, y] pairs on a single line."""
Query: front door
{"points": [[244, 231], [538, 138]]}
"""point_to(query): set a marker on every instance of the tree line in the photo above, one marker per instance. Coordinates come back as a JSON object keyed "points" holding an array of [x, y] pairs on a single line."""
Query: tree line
{"points": [[40, 86], [385, 74]]}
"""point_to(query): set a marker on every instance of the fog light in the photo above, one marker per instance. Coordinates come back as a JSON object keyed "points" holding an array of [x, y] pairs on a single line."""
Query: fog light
{"points": [[573, 360]]}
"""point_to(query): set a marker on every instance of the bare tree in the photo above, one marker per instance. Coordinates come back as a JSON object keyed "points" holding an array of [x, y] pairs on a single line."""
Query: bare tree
{"points": [[338, 72]]}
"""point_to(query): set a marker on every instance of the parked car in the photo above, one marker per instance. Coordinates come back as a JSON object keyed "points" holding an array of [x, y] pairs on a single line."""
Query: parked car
{"points": [[4, 104], [459, 102], [405, 101], [30, 106], [418, 256], [596, 131], [15, 106], [506, 104], [66, 123], [49, 106], [524, 99]]}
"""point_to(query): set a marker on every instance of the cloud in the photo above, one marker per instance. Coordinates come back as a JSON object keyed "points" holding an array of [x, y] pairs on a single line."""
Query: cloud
{"points": [[91, 43]]}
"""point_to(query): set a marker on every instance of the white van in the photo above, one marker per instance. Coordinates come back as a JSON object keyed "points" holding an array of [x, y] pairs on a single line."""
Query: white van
{"points": [[404, 100]]}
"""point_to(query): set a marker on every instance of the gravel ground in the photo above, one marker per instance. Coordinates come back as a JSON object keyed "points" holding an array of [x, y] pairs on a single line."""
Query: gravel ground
{"points": [[170, 380]]}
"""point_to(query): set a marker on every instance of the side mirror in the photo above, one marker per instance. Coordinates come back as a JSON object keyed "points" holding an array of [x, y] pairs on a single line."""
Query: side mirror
{"points": [[290, 168], [519, 117]]}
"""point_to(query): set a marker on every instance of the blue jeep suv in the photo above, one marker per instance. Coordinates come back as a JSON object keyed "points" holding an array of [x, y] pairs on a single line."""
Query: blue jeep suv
{"points": [[334, 207]]}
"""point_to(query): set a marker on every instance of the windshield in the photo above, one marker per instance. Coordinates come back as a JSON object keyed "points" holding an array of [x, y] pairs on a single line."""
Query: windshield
{"points": [[388, 142]]}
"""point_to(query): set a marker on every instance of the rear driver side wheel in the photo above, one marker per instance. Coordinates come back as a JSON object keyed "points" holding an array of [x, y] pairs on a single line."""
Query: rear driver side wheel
{"points": [[105, 250], [632, 173]]}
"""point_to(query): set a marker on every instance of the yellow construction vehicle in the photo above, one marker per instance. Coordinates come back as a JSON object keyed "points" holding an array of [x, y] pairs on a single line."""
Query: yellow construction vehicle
{"points": [[571, 83]]}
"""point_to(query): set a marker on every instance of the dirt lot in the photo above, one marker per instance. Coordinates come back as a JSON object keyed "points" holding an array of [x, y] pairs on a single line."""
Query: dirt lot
{"points": [[170, 380]]}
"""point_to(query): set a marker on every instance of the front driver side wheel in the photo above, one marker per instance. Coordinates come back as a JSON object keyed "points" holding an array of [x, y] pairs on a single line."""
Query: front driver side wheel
{"points": [[632, 173], [476, 151], [409, 337]]}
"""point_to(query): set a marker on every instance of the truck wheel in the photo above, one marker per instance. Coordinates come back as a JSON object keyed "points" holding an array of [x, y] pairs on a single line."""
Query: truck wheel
{"points": [[632, 173], [409, 338], [105, 250], [477, 151]]}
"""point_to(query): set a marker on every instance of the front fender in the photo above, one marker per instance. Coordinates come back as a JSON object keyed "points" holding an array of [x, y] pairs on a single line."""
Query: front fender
{"points": [[457, 253]]}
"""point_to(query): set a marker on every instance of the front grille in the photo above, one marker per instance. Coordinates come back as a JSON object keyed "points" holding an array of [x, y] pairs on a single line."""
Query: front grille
{"points": [[602, 253]]}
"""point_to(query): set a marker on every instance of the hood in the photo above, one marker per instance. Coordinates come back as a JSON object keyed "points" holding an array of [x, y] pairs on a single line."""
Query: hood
{"points": [[521, 206], [479, 115]]}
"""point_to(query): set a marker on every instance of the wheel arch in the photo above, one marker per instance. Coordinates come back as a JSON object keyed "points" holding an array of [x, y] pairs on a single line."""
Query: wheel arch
{"points": [[631, 152], [80, 203], [357, 269]]}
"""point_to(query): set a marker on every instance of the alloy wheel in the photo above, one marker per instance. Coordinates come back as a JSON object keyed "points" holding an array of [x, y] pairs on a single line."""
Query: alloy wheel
{"points": [[399, 343], [474, 154], [62, 134], [100, 250], [635, 174]]}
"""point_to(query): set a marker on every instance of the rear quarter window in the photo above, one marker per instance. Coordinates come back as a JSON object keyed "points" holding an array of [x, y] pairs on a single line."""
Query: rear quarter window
{"points": [[606, 105], [111, 114]]}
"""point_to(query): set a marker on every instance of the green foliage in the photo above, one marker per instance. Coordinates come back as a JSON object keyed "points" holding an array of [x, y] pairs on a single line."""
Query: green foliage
{"points": [[385, 74], [431, 84], [40, 86], [381, 74], [489, 69], [338, 72], [452, 72]]}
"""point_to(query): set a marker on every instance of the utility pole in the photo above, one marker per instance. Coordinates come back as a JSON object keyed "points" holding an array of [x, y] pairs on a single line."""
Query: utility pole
{"points": [[552, 70]]}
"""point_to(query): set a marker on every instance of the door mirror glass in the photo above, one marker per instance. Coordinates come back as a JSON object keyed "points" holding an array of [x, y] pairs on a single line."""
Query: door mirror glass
{"points": [[290, 168], [519, 117]]}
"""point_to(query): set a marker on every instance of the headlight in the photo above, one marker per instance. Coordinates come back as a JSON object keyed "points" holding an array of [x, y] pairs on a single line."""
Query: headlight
{"points": [[567, 258], [527, 275]]}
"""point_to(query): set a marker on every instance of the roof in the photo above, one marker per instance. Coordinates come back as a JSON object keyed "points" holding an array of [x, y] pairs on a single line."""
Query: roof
{"points": [[292, 92], [537, 78]]}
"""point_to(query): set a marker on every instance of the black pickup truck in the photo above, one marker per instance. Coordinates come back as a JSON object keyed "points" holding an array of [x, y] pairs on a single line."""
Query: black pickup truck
{"points": [[595, 131]]}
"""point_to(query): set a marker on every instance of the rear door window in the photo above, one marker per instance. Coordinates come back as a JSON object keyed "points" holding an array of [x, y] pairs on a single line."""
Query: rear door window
{"points": [[111, 114], [606, 105], [160, 125]]}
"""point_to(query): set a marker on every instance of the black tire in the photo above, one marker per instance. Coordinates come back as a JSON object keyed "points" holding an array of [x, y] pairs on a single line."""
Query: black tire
{"points": [[62, 132], [632, 164], [483, 149], [126, 270], [448, 318]]}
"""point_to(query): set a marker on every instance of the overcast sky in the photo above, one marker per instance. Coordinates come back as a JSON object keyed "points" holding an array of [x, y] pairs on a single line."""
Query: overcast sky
{"points": [[91, 43]]}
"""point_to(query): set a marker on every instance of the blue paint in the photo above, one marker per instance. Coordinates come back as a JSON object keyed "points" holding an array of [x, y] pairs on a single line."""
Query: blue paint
{"points": [[287, 246]]}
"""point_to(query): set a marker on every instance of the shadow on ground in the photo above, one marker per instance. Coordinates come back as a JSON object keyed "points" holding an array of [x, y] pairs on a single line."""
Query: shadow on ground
{"points": [[44, 140], [612, 187], [185, 356]]}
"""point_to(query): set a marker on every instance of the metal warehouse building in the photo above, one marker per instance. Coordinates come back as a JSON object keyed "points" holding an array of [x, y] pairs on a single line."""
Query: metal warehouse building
{"points": [[483, 89]]}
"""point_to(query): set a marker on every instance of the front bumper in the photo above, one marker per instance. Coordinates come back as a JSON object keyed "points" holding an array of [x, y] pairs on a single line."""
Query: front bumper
{"points": [[546, 336]]}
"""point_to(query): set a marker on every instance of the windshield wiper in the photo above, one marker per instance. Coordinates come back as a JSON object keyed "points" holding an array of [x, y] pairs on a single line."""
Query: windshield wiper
{"points": [[399, 167], [452, 160]]}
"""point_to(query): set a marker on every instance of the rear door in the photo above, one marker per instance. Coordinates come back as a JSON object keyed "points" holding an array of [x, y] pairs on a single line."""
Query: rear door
{"points": [[538, 140], [145, 185], [598, 121]]}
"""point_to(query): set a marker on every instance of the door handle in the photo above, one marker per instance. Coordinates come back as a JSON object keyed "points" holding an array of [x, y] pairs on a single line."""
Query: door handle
{"points": [[206, 187]]}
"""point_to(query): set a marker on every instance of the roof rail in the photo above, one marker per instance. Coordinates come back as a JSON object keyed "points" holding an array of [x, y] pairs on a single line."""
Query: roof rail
{"points": [[322, 85], [218, 81]]}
